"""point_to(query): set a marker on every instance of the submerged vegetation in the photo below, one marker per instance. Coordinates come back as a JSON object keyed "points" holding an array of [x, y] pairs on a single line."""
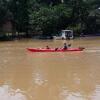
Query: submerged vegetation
{"points": [[48, 17]]}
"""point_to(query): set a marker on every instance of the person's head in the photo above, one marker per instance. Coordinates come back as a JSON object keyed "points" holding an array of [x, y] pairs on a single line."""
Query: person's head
{"points": [[47, 46]]}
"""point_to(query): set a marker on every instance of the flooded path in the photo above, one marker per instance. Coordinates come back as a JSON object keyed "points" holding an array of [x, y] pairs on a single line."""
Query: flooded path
{"points": [[50, 76]]}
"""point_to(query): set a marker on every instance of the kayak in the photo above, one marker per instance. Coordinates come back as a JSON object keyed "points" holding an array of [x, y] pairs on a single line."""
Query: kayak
{"points": [[54, 50]]}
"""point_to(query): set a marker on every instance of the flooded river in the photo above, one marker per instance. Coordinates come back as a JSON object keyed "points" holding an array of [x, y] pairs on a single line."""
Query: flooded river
{"points": [[50, 76]]}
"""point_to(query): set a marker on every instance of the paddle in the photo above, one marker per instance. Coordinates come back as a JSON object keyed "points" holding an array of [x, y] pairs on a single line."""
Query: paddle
{"points": [[69, 45]]}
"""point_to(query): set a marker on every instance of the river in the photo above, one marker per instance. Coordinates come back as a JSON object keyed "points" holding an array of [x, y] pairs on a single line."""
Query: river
{"points": [[50, 76]]}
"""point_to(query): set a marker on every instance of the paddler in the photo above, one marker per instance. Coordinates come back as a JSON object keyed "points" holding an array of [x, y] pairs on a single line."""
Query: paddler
{"points": [[47, 47], [66, 46]]}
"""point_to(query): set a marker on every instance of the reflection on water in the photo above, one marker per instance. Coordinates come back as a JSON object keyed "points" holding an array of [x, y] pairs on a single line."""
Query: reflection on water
{"points": [[7, 93], [96, 94], [67, 95], [39, 78], [50, 76]]}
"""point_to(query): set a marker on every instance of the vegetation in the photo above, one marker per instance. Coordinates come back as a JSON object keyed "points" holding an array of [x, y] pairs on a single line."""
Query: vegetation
{"points": [[50, 16]]}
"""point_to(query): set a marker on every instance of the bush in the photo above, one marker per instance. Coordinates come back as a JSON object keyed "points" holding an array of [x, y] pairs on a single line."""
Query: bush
{"points": [[50, 20]]}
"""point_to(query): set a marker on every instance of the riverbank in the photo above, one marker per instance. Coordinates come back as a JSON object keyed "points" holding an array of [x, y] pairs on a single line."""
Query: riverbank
{"points": [[11, 38]]}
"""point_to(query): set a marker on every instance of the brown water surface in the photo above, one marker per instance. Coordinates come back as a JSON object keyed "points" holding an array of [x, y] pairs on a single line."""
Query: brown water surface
{"points": [[50, 76]]}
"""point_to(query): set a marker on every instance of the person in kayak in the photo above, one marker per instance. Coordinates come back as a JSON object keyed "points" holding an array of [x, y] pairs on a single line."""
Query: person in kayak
{"points": [[66, 46], [47, 47]]}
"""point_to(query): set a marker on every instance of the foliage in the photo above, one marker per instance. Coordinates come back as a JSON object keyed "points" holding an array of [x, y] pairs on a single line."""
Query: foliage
{"points": [[49, 20], [50, 16], [3, 10]]}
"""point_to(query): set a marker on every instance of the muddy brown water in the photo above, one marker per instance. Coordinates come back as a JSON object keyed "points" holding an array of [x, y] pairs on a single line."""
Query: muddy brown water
{"points": [[50, 76]]}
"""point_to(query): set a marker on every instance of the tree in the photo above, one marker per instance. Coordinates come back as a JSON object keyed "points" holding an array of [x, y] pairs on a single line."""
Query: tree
{"points": [[20, 12], [3, 11], [49, 20], [79, 16]]}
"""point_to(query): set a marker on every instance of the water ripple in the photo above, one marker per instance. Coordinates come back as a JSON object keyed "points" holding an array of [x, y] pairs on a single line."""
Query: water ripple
{"points": [[7, 93]]}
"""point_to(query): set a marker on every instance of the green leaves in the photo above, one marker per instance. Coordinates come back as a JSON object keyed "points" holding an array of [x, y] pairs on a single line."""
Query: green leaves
{"points": [[48, 16], [50, 19]]}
